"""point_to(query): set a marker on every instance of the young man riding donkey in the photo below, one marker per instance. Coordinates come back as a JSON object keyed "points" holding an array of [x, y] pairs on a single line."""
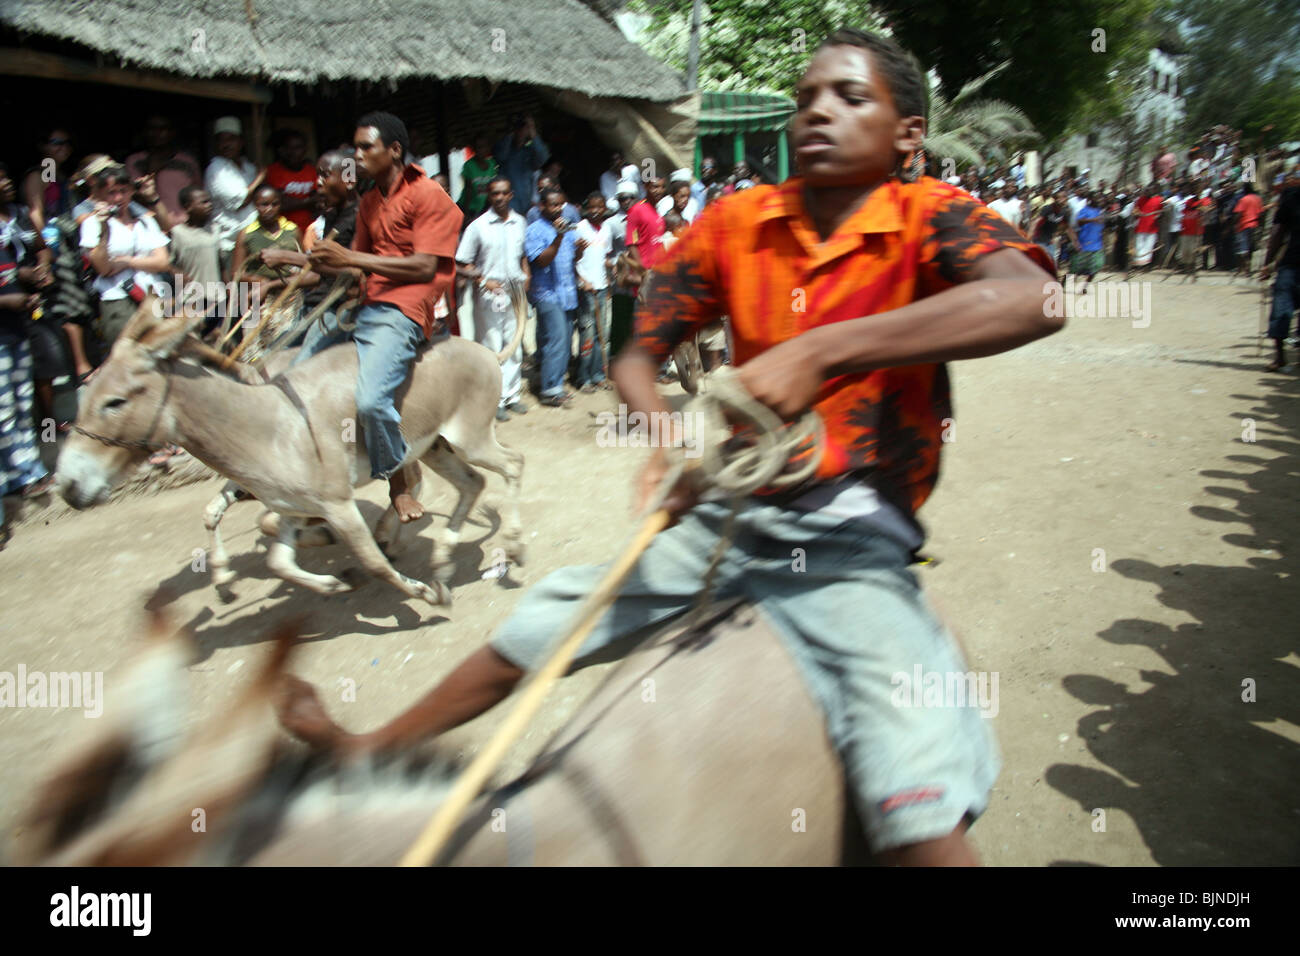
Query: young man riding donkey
{"points": [[405, 246], [288, 440], [848, 287]]}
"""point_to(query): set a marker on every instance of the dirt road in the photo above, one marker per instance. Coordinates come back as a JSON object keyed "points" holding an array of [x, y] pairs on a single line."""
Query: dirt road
{"points": [[1108, 545]]}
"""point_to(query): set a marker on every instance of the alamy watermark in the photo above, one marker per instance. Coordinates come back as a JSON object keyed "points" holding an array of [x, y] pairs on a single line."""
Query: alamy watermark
{"points": [[1100, 299], [57, 689], [946, 689], [650, 430]]}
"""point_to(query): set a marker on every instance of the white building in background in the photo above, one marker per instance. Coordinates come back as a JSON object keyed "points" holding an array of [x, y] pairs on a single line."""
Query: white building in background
{"points": [[1159, 105]]}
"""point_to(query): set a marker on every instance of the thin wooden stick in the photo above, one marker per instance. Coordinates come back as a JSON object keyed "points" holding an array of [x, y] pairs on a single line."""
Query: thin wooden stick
{"points": [[434, 837], [290, 288]]}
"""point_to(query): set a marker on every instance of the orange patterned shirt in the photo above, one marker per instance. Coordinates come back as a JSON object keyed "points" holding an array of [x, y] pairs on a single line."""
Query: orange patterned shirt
{"points": [[756, 257]]}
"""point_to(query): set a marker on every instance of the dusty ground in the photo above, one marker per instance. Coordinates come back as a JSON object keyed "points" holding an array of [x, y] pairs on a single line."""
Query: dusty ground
{"points": [[1120, 689]]}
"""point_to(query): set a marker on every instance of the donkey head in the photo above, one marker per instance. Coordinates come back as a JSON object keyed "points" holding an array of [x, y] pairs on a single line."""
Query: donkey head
{"points": [[135, 791], [123, 414]]}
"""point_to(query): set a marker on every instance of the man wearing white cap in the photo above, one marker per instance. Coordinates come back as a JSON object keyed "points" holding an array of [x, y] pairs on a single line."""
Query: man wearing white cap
{"points": [[230, 181], [678, 178]]}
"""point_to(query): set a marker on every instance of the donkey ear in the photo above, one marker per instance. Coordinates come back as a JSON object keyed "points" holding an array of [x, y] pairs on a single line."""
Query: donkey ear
{"points": [[164, 339], [146, 317]]}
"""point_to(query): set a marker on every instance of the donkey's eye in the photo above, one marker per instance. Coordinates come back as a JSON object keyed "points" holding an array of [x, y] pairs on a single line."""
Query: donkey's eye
{"points": [[114, 403]]}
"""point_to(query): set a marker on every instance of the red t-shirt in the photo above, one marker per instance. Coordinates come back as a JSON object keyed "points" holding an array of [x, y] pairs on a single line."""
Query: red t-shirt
{"points": [[1192, 225], [1149, 214], [1247, 210], [299, 185], [644, 227], [416, 217]]}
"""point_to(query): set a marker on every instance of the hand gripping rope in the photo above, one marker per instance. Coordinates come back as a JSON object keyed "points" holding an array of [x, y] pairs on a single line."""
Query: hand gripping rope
{"points": [[723, 470]]}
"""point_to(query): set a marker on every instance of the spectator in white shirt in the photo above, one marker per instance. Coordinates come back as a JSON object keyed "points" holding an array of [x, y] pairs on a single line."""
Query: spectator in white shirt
{"points": [[127, 253], [688, 208], [609, 179], [1009, 207], [230, 181], [595, 248], [491, 254]]}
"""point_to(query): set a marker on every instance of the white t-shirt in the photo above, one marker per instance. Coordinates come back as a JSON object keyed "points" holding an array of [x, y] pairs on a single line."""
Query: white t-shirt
{"points": [[600, 245], [1075, 203], [138, 239], [689, 213], [494, 245], [1012, 210], [227, 183]]}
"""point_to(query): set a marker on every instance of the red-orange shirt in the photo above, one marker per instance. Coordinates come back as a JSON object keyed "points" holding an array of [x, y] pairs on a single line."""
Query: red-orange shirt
{"points": [[417, 216], [298, 184], [1248, 208], [757, 258]]}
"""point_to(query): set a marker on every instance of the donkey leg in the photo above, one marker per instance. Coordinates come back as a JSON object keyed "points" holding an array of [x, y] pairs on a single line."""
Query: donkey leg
{"points": [[282, 559], [469, 485], [345, 518], [218, 559], [509, 464]]}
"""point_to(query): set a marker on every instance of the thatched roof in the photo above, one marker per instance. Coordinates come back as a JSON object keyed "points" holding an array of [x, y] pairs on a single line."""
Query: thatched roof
{"points": [[557, 43]]}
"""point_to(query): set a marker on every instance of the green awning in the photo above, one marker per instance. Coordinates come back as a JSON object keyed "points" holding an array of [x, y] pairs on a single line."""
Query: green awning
{"points": [[722, 112]]}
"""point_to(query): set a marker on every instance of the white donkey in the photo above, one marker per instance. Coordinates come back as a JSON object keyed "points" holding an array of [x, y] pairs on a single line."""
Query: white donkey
{"points": [[292, 442]]}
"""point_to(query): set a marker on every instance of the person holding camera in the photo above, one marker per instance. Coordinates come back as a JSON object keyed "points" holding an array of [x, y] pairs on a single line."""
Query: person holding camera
{"points": [[125, 251]]}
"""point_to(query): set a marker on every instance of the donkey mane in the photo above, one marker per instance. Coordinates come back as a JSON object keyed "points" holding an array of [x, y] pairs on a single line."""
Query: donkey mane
{"points": [[302, 788]]}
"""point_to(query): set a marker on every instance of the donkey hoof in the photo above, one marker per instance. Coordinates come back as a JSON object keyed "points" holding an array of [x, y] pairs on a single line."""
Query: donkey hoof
{"points": [[438, 593]]}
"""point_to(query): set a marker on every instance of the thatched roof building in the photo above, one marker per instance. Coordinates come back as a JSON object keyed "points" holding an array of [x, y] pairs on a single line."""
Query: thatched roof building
{"points": [[563, 44], [448, 68]]}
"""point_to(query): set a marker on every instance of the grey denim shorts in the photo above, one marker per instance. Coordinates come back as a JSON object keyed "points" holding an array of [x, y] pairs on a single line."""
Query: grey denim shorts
{"points": [[898, 701]]}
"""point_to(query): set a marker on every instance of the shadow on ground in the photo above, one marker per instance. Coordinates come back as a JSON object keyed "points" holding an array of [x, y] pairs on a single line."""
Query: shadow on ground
{"points": [[1209, 778], [373, 608]]}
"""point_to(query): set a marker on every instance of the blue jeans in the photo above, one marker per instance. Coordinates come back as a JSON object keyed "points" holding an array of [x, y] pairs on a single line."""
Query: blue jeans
{"points": [[554, 332], [853, 618], [386, 343], [591, 310], [1284, 303]]}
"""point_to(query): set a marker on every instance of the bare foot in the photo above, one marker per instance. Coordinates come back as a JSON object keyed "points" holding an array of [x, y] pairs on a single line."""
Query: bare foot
{"points": [[404, 503]]}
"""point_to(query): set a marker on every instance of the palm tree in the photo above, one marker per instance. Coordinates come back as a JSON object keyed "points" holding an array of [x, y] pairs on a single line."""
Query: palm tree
{"points": [[971, 131]]}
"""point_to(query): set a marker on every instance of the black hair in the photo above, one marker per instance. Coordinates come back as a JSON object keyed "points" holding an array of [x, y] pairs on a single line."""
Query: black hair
{"points": [[500, 179], [186, 194], [548, 192], [906, 84], [282, 136], [334, 158], [595, 194], [391, 129], [264, 187], [110, 175]]}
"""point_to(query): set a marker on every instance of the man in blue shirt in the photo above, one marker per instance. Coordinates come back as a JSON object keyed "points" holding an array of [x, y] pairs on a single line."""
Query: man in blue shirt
{"points": [[1086, 236], [551, 247], [521, 153]]}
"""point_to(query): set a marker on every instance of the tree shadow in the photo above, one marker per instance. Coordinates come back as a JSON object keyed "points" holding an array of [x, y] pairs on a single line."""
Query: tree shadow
{"points": [[1208, 777]]}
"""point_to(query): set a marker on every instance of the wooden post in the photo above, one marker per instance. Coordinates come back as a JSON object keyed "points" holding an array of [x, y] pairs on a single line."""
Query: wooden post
{"points": [[258, 122]]}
